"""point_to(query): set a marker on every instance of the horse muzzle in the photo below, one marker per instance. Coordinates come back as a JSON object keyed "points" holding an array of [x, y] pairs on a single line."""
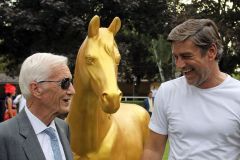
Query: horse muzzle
{"points": [[111, 101]]}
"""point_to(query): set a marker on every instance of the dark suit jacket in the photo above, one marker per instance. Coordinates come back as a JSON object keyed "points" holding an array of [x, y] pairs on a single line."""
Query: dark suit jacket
{"points": [[18, 140], [146, 104]]}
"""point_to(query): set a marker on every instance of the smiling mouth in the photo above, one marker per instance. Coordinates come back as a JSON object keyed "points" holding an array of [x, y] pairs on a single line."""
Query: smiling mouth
{"points": [[186, 71], [66, 100]]}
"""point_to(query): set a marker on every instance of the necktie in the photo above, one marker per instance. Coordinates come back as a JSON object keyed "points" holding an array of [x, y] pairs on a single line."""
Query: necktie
{"points": [[54, 143]]}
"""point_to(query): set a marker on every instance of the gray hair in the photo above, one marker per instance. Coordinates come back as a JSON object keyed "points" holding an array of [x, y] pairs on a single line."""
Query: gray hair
{"points": [[202, 32], [37, 67]]}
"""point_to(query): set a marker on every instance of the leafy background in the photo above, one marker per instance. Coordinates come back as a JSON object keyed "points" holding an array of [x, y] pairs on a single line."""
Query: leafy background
{"points": [[29, 26]]}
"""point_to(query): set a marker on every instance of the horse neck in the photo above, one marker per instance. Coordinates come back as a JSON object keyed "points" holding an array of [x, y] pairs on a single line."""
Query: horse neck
{"points": [[91, 107], [93, 122]]}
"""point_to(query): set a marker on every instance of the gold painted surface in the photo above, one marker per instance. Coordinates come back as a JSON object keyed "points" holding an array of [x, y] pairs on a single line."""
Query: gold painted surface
{"points": [[101, 127]]}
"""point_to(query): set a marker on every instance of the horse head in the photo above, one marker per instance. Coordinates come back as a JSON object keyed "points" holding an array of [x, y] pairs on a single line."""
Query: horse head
{"points": [[97, 63]]}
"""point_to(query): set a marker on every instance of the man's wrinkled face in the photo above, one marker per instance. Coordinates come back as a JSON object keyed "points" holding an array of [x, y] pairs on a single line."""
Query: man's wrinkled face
{"points": [[54, 96], [195, 67]]}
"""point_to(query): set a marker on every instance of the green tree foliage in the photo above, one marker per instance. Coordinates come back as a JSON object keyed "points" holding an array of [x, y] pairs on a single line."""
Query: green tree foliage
{"points": [[161, 50], [29, 26]]}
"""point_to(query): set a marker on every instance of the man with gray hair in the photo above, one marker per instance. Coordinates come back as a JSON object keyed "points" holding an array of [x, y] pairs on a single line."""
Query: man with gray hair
{"points": [[35, 133], [198, 113]]}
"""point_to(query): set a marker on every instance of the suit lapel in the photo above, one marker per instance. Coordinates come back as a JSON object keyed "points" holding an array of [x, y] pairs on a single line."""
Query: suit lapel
{"points": [[31, 144], [64, 141]]}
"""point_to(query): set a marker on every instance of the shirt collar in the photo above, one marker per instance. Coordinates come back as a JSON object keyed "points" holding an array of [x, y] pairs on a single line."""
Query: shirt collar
{"points": [[37, 124]]}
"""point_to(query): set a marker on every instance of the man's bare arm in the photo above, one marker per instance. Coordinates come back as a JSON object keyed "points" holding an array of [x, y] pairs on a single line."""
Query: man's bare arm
{"points": [[155, 146]]}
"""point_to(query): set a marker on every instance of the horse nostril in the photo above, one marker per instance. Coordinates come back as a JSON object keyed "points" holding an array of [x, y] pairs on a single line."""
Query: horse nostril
{"points": [[104, 95]]}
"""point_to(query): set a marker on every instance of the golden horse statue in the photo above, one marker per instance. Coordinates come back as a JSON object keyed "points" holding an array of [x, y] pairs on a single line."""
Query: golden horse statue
{"points": [[102, 128]]}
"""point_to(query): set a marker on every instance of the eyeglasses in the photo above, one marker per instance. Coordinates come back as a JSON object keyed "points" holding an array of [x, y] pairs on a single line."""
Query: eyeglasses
{"points": [[64, 83]]}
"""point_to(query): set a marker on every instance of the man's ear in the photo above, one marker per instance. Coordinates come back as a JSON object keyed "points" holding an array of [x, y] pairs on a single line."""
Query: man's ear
{"points": [[212, 52], [35, 89]]}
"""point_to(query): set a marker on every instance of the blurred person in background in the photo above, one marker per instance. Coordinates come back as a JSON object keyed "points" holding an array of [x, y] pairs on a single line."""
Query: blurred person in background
{"points": [[148, 103], [20, 102], [10, 91]]}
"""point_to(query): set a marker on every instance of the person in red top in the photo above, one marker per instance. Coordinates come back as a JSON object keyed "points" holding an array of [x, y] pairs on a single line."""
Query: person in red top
{"points": [[10, 91]]}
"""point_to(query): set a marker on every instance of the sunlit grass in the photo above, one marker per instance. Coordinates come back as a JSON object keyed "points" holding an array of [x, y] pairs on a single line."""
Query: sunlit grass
{"points": [[165, 156]]}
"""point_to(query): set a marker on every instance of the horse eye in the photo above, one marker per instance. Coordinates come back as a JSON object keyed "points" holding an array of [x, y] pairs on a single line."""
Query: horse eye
{"points": [[90, 60]]}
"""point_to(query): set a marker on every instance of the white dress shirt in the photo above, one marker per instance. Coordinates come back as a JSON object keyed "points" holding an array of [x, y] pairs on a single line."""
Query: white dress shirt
{"points": [[43, 138], [21, 101], [150, 101]]}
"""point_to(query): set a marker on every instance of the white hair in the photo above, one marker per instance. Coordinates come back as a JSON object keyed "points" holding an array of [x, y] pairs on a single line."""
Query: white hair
{"points": [[37, 67]]}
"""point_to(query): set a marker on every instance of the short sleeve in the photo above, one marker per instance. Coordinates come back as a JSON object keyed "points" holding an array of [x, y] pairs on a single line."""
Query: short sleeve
{"points": [[158, 122]]}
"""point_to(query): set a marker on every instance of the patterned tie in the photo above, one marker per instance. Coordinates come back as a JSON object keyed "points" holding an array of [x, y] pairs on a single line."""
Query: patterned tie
{"points": [[54, 143]]}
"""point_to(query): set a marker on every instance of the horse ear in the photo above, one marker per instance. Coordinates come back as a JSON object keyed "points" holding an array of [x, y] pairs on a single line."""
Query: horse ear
{"points": [[115, 25], [93, 26]]}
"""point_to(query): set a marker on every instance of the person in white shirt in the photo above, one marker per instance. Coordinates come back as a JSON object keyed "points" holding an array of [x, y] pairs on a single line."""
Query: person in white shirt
{"points": [[198, 113], [19, 101], [148, 103], [36, 133]]}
